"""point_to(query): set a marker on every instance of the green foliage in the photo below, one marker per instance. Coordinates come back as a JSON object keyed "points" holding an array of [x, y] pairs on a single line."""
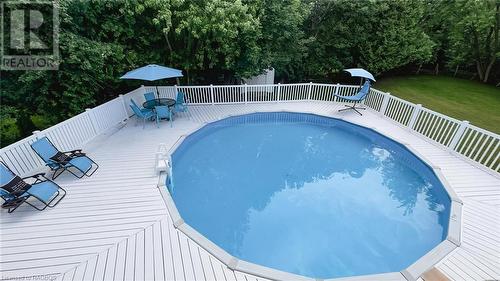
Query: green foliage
{"points": [[474, 35], [9, 130], [376, 35], [223, 41], [215, 35], [283, 41]]}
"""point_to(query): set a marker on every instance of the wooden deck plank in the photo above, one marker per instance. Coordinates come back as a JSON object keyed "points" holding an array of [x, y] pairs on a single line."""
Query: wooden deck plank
{"points": [[90, 269], [149, 254], [168, 261], [178, 265], [196, 260], [120, 261], [185, 256], [206, 264], [129, 272], [139, 255], [110, 263]]}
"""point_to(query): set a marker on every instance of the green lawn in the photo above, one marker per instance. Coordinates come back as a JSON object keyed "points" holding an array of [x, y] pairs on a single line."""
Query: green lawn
{"points": [[458, 98]]}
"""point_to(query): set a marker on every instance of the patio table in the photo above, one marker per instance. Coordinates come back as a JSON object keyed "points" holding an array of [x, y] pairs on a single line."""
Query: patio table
{"points": [[150, 104]]}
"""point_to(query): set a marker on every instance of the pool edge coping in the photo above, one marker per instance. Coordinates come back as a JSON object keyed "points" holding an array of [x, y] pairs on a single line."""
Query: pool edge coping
{"points": [[411, 273]]}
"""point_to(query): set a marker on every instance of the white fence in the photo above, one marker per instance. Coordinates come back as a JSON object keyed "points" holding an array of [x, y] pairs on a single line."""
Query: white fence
{"points": [[67, 135], [479, 146], [476, 144]]}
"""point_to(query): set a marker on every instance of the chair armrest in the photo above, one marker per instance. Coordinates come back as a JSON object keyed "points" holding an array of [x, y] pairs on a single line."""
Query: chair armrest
{"points": [[73, 151], [40, 177], [76, 152], [35, 176]]}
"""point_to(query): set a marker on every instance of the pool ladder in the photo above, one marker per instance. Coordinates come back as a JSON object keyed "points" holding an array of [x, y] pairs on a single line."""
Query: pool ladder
{"points": [[162, 162], [163, 167]]}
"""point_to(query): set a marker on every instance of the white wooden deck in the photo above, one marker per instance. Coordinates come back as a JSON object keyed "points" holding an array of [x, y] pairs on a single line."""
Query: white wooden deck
{"points": [[115, 225]]}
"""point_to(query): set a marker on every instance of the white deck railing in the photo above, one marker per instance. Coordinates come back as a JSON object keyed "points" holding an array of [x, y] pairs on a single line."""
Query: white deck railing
{"points": [[67, 135], [479, 146]]}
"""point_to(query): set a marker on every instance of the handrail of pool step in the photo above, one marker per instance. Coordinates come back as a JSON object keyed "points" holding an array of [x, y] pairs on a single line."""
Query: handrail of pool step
{"points": [[478, 146]]}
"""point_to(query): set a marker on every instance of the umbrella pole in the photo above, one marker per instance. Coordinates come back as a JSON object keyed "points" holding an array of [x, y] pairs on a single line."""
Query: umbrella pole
{"points": [[157, 94]]}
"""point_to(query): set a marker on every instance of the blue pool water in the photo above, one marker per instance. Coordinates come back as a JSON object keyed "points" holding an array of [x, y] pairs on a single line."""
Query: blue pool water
{"points": [[309, 195]]}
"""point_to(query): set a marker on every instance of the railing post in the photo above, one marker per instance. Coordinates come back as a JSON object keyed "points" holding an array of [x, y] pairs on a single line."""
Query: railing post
{"points": [[246, 93], [176, 90], [385, 102], [337, 87], [125, 112], [278, 98], [458, 135], [414, 115], [212, 94], [37, 134], [309, 91], [93, 121]]}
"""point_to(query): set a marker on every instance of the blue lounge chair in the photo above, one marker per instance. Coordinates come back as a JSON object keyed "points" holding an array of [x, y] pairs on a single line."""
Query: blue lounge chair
{"points": [[163, 112], [357, 98], [15, 190], [150, 96], [142, 114], [181, 102], [64, 161], [143, 110]]}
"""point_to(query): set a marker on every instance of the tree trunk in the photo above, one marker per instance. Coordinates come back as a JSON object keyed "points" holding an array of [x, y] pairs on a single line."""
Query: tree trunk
{"points": [[418, 70], [436, 69], [479, 67], [495, 44], [479, 70], [171, 51], [488, 70], [456, 70]]}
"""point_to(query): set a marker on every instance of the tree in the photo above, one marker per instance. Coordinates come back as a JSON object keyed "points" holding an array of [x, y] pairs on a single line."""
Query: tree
{"points": [[215, 36], [283, 42], [474, 35], [377, 35]]}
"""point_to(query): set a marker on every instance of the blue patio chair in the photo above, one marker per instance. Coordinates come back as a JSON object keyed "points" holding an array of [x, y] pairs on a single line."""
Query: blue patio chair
{"points": [[64, 161], [163, 112], [181, 102], [150, 96], [143, 110], [15, 191], [142, 114], [357, 98]]}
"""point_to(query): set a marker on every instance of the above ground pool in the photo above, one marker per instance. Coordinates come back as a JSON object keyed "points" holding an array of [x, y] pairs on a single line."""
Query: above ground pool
{"points": [[309, 195]]}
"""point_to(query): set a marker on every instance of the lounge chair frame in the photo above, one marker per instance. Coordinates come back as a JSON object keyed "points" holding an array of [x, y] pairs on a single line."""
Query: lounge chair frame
{"points": [[58, 168], [39, 178], [353, 107], [355, 101]]}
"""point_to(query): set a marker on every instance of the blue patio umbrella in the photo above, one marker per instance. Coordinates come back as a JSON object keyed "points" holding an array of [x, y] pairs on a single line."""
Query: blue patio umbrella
{"points": [[359, 72], [152, 72]]}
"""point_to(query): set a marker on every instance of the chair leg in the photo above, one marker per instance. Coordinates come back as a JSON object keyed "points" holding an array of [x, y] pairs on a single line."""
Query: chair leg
{"points": [[57, 195], [55, 175], [352, 107], [48, 204], [85, 173], [18, 202]]}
